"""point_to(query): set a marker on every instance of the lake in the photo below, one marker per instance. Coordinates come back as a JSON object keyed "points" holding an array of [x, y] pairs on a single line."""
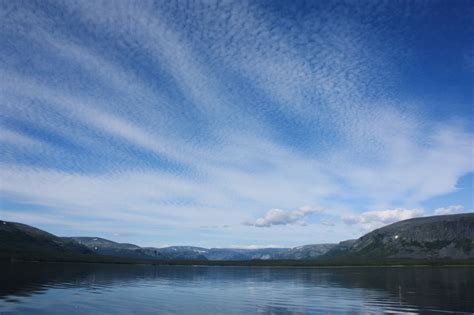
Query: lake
{"points": [[54, 288]]}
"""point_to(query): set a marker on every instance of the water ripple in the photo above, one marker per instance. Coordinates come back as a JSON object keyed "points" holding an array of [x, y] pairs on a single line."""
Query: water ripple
{"points": [[109, 289]]}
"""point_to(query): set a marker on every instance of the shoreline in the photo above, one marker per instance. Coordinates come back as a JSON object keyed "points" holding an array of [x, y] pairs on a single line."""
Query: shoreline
{"points": [[345, 263]]}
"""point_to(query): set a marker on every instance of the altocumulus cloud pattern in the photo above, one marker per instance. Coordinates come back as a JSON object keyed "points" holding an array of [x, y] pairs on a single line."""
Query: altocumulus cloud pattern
{"points": [[219, 123]]}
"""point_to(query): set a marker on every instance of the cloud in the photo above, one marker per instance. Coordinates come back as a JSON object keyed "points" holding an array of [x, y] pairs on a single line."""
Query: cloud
{"points": [[327, 222], [371, 220], [285, 217], [449, 210]]}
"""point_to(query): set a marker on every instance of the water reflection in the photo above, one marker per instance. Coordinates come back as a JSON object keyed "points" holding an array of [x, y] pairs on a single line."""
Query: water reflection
{"points": [[48, 288]]}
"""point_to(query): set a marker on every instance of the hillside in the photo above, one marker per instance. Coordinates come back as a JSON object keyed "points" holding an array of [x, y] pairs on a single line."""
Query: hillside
{"points": [[105, 247], [244, 253], [177, 252], [21, 237], [306, 252], [447, 236]]}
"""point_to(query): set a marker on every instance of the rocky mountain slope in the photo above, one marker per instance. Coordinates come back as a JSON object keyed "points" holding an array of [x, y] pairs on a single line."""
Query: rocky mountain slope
{"points": [[447, 236]]}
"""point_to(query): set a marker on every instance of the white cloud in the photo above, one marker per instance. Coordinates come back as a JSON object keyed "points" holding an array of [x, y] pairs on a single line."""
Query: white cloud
{"points": [[285, 217], [371, 220], [449, 210]]}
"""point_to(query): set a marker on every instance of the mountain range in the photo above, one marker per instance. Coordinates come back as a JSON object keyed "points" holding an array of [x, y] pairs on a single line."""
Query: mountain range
{"points": [[109, 248], [436, 237]]}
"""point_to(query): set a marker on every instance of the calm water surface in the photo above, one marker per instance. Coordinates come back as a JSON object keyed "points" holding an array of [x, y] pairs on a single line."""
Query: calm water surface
{"points": [[48, 288]]}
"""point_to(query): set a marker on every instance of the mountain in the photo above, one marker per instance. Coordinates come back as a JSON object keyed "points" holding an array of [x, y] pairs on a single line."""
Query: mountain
{"points": [[306, 252], [426, 238], [105, 247], [177, 252], [15, 237], [243, 253], [436, 237]]}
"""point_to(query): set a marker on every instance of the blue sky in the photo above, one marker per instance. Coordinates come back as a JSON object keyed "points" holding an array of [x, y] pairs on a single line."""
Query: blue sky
{"points": [[246, 123]]}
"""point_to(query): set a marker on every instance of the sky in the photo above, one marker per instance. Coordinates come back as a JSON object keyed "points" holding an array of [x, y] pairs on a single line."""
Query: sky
{"points": [[234, 123]]}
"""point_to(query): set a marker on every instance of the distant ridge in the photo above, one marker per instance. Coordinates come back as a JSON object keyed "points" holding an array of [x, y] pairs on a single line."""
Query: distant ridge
{"points": [[105, 247]]}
